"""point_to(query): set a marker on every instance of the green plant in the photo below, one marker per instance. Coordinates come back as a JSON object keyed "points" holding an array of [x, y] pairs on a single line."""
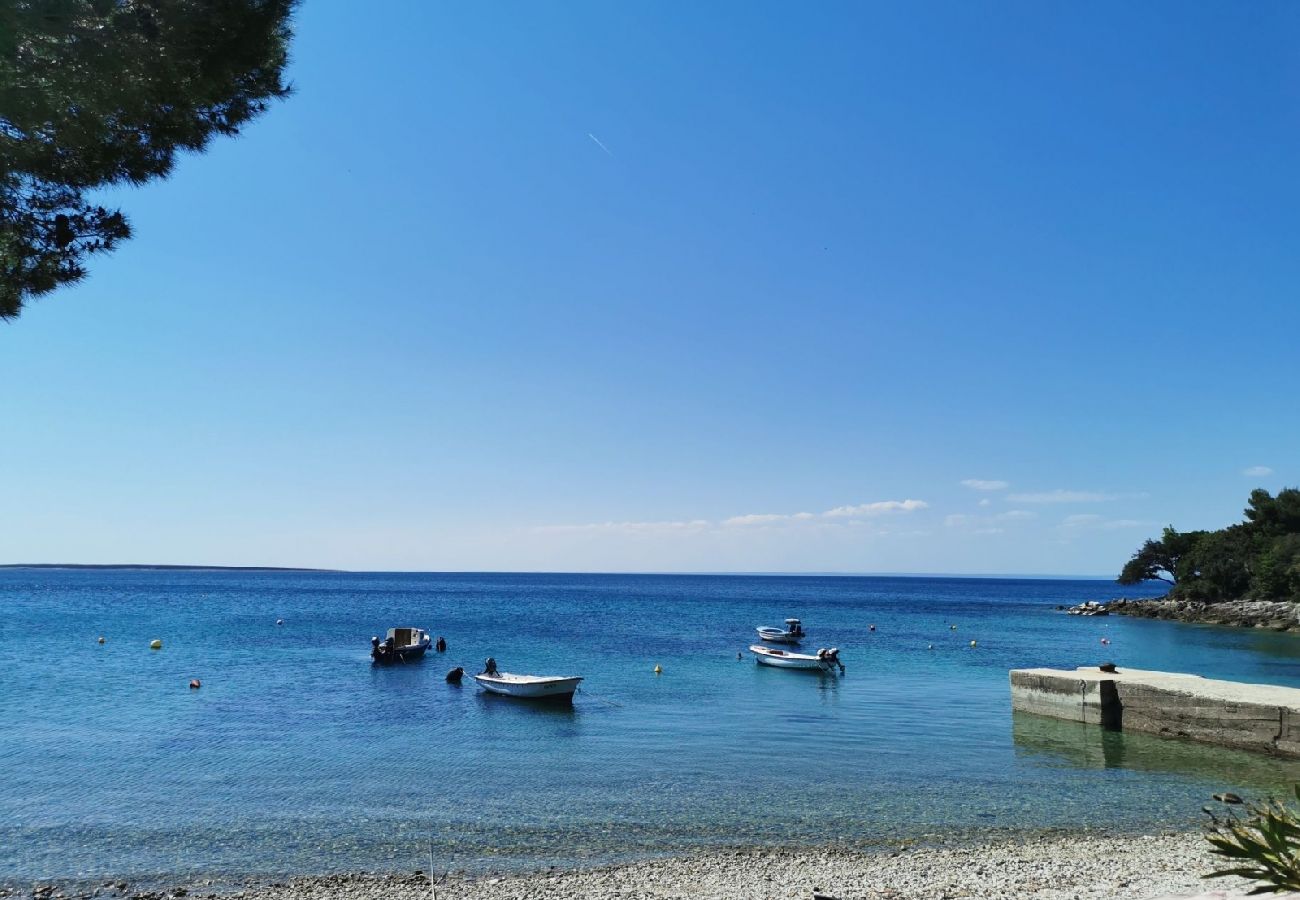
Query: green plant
{"points": [[1264, 845]]}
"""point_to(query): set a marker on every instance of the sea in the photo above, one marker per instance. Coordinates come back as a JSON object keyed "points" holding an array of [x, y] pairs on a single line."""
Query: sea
{"points": [[297, 756]]}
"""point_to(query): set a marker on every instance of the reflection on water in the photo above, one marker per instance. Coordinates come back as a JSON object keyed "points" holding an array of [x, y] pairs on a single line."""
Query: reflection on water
{"points": [[1075, 744], [555, 708]]}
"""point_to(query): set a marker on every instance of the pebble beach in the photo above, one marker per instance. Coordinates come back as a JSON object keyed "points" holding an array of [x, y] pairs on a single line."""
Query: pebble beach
{"points": [[1095, 865]]}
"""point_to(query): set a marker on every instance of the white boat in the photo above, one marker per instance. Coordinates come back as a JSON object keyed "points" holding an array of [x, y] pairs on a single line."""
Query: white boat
{"points": [[790, 634], [824, 660], [533, 687]]}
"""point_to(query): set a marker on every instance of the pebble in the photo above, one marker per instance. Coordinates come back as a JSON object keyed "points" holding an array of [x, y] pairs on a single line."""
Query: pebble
{"points": [[1090, 866]]}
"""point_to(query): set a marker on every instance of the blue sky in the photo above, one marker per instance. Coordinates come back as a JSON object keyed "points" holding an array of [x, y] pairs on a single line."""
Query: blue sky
{"points": [[724, 287]]}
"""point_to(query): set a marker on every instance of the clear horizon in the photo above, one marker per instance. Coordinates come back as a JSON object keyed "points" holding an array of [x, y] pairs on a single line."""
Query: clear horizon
{"points": [[1027, 576], [631, 288]]}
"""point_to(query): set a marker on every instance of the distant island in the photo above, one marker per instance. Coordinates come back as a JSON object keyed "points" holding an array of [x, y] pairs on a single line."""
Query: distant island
{"points": [[161, 567], [1245, 574]]}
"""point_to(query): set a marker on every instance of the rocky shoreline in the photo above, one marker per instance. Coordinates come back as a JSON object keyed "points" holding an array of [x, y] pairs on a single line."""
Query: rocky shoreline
{"points": [[1087, 865], [1278, 615]]}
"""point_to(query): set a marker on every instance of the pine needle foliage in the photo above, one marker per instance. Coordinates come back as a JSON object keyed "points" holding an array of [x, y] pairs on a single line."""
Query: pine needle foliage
{"points": [[100, 93]]}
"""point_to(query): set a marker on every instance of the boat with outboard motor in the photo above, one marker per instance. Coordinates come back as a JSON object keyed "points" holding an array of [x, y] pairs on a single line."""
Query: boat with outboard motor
{"points": [[824, 660], [792, 633], [528, 687], [401, 645]]}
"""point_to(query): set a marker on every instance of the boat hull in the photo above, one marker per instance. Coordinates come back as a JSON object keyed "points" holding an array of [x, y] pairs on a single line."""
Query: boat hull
{"points": [[779, 659], [530, 688], [405, 654], [777, 636]]}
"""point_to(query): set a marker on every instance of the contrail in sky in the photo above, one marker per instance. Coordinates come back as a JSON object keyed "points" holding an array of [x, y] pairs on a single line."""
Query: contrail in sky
{"points": [[598, 143]]}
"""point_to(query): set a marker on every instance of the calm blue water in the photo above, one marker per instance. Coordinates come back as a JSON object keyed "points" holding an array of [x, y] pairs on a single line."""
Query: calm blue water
{"points": [[296, 755]]}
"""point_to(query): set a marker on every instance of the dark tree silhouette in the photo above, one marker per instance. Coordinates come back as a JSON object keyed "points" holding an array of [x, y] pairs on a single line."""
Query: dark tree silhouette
{"points": [[95, 93]]}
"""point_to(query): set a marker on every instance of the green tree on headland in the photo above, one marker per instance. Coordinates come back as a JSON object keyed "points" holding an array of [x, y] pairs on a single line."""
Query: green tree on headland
{"points": [[1258, 558], [1160, 559], [97, 93]]}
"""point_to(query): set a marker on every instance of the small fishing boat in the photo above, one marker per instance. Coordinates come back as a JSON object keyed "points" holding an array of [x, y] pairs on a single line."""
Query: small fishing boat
{"points": [[401, 645], [792, 633], [532, 687], [824, 660]]}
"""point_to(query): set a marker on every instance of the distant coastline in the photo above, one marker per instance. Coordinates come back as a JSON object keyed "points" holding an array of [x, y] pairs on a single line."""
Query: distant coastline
{"points": [[956, 576], [163, 567]]}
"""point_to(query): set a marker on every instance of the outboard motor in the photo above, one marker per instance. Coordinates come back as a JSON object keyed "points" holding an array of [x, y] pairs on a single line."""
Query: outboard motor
{"points": [[834, 657], [374, 649], [441, 646], [490, 666], [455, 675]]}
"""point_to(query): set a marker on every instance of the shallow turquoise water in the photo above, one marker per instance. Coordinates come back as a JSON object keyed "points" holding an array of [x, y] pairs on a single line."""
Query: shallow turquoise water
{"points": [[296, 755]]}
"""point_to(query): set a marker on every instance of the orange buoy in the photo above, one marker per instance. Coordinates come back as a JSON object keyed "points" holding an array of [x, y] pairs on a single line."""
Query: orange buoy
{"points": [[195, 684]]}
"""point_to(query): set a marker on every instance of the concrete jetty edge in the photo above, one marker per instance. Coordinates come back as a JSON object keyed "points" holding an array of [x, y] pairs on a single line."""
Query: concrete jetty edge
{"points": [[1258, 717]]}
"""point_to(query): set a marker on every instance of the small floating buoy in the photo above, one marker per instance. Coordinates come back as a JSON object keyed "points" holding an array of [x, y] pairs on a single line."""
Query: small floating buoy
{"points": [[738, 656], [101, 639], [931, 647], [279, 621], [871, 628], [195, 684], [155, 644], [1105, 640], [441, 645], [455, 675], [952, 627], [658, 670], [972, 643]]}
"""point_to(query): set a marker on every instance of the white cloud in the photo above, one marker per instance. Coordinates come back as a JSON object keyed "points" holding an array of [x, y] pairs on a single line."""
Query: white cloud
{"points": [[984, 501], [1094, 521], [849, 514], [1062, 496], [981, 484], [628, 527], [988, 524], [875, 509], [1257, 471], [757, 519], [1081, 519]]}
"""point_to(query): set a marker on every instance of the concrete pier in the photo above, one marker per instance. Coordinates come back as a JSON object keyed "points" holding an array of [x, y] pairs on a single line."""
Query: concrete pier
{"points": [[1259, 717]]}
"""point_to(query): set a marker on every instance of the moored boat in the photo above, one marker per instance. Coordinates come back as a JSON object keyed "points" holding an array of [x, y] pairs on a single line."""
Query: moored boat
{"points": [[792, 633], [530, 687], [823, 660], [401, 645]]}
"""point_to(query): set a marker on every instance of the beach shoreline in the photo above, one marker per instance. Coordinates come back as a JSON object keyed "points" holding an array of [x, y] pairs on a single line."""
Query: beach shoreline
{"points": [[1086, 864]]}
